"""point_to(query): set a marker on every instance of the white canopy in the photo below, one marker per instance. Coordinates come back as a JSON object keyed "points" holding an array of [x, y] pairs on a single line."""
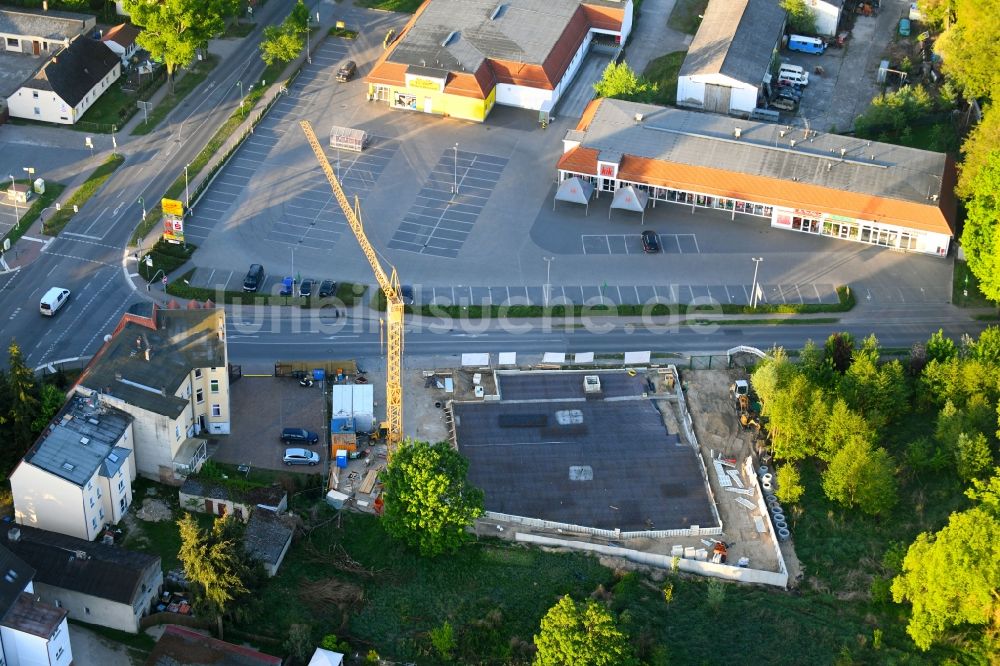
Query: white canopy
{"points": [[631, 199], [574, 190]]}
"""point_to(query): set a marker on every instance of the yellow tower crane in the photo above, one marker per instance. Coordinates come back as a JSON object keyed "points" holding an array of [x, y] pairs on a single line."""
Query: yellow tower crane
{"points": [[390, 287]]}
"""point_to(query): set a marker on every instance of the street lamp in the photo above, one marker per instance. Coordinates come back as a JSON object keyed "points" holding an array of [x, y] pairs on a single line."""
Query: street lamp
{"points": [[548, 284], [754, 288], [308, 53], [142, 203], [293, 269], [114, 142], [454, 189], [13, 189], [187, 192], [30, 171]]}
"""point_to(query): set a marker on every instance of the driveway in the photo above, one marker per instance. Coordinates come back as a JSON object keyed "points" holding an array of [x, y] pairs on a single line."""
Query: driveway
{"points": [[92, 648], [651, 37]]}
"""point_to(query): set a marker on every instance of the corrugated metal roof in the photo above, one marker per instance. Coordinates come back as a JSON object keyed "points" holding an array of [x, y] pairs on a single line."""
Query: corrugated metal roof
{"points": [[736, 38]]}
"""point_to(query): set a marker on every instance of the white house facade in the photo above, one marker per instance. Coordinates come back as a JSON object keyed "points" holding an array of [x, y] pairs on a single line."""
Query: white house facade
{"points": [[32, 632], [40, 33]]}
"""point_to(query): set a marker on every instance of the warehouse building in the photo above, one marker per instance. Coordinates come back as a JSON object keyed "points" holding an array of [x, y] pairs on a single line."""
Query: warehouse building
{"points": [[799, 180], [460, 57], [730, 56]]}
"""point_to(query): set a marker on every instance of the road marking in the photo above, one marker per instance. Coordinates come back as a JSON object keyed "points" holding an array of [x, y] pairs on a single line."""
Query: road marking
{"points": [[70, 256], [69, 233]]}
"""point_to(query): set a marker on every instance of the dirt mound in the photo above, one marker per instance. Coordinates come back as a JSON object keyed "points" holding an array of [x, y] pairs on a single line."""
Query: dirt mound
{"points": [[154, 511]]}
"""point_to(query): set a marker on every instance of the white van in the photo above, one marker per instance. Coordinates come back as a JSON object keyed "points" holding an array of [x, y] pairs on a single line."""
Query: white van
{"points": [[53, 299], [793, 74]]}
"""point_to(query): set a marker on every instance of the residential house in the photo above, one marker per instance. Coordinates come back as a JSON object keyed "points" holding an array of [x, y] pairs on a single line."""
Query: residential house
{"points": [[40, 33], [731, 55], [68, 84], [323, 657], [267, 538], [178, 644], [169, 370], [32, 632], [207, 496], [95, 583], [78, 476], [121, 40]]}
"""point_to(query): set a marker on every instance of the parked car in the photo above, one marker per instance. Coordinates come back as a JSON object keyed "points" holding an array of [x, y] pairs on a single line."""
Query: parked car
{"points": [[347, 71], [406, 291], [298, 436], [327, 288], [254, 279], [306, 288], [287, 287], [904, 27], [300, 457], [650, 242]]}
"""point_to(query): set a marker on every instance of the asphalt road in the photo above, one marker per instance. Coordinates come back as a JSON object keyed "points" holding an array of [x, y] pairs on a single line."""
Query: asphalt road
{"points": [[89, 257]]}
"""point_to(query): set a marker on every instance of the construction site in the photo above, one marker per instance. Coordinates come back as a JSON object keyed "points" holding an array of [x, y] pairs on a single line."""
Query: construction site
{"points": [[636, 462]]}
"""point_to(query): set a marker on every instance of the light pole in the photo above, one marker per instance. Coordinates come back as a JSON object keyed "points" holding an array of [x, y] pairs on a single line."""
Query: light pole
{"points": [[89, 143], [13, 189], [293, 269], [187, 192], [548, 284], [114, 142], [454, 189], [309, 58], [142, 203], [753, 289], [240, 84], [31, 172]]}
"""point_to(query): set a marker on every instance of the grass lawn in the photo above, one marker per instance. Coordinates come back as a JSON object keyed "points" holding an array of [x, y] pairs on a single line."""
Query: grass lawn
{"points": [[686, 15], [38, 204], [182, 86], [113, 108], [964, 279], [663, 72], [167, 257], [61, 218], [408, 6]]}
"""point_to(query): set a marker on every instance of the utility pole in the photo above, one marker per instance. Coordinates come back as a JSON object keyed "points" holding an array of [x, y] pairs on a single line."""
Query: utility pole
{"points": [[754, 288]]}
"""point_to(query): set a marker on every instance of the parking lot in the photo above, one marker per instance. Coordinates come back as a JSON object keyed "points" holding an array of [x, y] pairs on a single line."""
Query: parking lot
{"points": [[498, 239], [261, 407]]}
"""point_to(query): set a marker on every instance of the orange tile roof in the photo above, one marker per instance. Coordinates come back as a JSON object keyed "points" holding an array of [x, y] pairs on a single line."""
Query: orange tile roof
{"points": [[762, 189]]}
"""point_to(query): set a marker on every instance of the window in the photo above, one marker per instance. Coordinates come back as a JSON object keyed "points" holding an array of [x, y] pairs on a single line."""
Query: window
{"points": [[121, 504], [59, 652], [86, 610], [197, 373], [99, 493], [38, 111], [34, 94], [91, 501], [13, 43], [177, 431], [121, 485], [216, 410], [93, 522], [58, 604], [55, 634], [90, 485], [100, 514], [214, 386], [199, 396]]}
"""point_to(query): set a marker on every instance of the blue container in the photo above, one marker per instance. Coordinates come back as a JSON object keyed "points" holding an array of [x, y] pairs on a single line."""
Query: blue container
{"points": [[319, 374], [342, 459]]}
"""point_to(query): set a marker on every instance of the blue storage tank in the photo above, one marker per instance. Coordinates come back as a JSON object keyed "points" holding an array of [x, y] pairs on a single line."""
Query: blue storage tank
{"points": [[341, 458]]}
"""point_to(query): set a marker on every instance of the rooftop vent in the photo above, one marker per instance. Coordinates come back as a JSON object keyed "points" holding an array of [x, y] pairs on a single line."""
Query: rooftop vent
{"points": [[498, 11], [93, 421], [792, 143], [113, 457], [85, 440], [843, 151], [68, 466], [638, 117], [447, 40], [11, 575], [781, 133], [737, 132], [591, 384]]}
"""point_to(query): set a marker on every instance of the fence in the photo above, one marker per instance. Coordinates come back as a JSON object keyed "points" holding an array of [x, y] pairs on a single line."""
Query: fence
{"points": [[779, 579], [616, 534], [154, 619]]}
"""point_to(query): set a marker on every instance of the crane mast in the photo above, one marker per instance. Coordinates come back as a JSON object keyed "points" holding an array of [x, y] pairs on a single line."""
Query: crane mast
{"points": [[390, 287]]}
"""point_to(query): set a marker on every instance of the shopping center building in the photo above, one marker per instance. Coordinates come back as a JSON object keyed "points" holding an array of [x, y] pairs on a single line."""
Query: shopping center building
{"points": [[800, 180], [460, 57]]}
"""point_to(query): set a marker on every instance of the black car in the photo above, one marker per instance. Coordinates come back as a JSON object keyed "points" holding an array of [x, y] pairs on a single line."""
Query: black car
{"points": [[347, 71], [650, 242], [298, 436], [306, 288], [254, 279], [327, 288], [406, 291]]}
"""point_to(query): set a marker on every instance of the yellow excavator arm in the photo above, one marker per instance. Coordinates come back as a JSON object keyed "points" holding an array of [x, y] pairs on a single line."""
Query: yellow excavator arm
{"points": [[390, 287]]}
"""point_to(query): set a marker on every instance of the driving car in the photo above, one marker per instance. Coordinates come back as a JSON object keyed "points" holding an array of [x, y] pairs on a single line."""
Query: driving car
{"points": [[327, 288], [298, 435], [306, 288], [300, 457], [347, 71], [650, 242]]}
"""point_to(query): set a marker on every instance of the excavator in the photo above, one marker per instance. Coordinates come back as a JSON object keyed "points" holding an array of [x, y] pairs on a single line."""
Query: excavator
{"points": [[393, 425]]}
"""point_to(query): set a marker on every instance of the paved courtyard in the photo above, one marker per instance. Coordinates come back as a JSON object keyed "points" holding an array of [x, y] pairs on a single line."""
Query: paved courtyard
{"points": [[498, 239]]}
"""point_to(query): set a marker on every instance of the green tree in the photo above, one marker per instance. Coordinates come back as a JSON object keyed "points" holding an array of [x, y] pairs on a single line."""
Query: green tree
{"points": [[428, 501], [844, 427], [620, 82], [50, 400], [952, 578], [969, 47], [893, 113], [298, 20], [173, 30], [280, 44], [981, 237], [940, 347], [801, 20], [213, 563], [861, 476], [972, 456], [334, 644], [815, 365], [443, 640], [982, 140], [839, 349], [987, 348], [796, 432], [771, 375], [790, 488], [936, 13], [582, 634], [23, 408]]}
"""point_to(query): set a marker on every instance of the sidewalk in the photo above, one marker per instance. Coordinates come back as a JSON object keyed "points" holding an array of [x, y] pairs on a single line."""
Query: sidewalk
{"points": [[652, 37]]}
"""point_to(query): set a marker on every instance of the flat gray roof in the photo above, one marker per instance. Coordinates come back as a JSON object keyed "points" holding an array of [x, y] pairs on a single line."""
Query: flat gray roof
{"points": [[522, 31], [82, 441], [566, 385], [736, 38], [599, 463], [54, 26], [765, 149]]}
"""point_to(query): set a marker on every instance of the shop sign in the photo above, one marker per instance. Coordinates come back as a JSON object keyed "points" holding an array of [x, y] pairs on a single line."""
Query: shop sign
{"points": [[608, 170], [173, 230], [172, 207], [424, 83]]}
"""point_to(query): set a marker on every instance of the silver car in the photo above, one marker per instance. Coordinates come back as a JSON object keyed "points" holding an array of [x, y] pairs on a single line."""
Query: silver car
{"points": [[301, 457]]}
